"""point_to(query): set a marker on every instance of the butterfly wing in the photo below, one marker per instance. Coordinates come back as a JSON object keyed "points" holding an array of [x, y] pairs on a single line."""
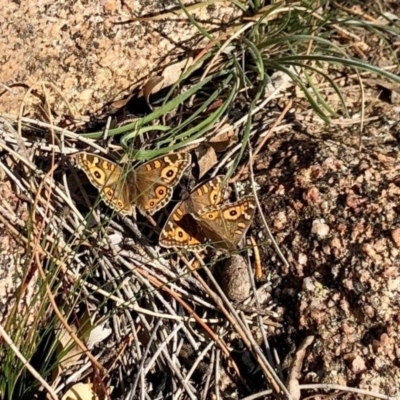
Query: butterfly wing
{"points": [[155, 181], [207, 194], [181, 229], [108, 178], [225, 225]]}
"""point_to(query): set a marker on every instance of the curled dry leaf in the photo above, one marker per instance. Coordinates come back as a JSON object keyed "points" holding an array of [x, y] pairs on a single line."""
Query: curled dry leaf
{"points": [[172, 73], [126, 159], [153, 85], [206, 159], [118, 104], [83, 391], [98, 334], [169, 77], [279, 81], [68, 352], [224, 138]]}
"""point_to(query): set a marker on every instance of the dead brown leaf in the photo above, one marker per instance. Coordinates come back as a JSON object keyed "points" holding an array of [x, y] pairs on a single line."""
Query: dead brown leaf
{"points": [[169, 77], [206, 159], [153, 85], [221, 141], [83, 391]]}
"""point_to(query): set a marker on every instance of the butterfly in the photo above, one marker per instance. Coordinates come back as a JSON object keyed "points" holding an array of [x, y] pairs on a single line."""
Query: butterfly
{"points": [[148, 187], [202, 218]]}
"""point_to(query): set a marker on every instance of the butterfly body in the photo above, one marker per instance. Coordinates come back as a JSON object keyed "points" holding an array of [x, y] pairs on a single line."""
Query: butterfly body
{"points": [[148, 187]]}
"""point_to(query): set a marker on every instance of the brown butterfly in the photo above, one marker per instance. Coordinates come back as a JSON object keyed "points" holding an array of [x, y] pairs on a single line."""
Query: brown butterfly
{"points": [[201, 218], [225, 225], [148, 187]]}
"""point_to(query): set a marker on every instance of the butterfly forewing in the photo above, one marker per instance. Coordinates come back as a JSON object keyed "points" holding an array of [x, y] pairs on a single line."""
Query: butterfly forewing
{"points": [[100, 171], [156, 179]]}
